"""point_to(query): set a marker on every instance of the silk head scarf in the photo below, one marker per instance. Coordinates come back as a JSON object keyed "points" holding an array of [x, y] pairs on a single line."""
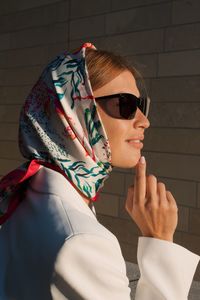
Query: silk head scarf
{"points": [[60, 128]]}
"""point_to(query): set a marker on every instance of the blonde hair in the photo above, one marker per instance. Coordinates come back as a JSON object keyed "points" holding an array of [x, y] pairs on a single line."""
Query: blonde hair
{"points": [[103, 66]]}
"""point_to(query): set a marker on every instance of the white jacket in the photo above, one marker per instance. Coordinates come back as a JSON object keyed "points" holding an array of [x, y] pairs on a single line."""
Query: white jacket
{"points": [[53, 247]]}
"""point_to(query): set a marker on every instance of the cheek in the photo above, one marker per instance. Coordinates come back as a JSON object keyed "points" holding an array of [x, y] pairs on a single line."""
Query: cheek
{"points": [[118, 131], [115, 129]]}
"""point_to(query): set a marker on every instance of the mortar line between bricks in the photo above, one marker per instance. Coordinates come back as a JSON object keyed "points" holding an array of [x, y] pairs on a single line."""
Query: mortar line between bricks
{"points": [[125, 191], [143, 5], [104, 25], [123, 10], [160, 102], [177, 25], [4, 123], [167, 127], [33, 46], [25, 85], [145, 30], [162, 52], [107, 36], [111, 34], [110, 6], [164, 40], [34, 27], [22, 160], [176, 102], [16, 158], [8, 141], [197, 190], [181, 231], [136, 54], [122, 33], [24, 67], [172, 153], [69, 25], [171, 15], [42, 65], [113, 194], [16, 123], [60, 22], [150, 86], [31, 8], [14, 103], [10, 104], [181, 50], [63, 1], [157, 64], [189, 233], [168, 51], [41, 46], [176, 179], [189, 214], [153, 79]]}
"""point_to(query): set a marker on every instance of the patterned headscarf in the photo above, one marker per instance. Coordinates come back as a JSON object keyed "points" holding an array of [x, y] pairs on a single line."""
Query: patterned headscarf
{"points": [[60, 128]]}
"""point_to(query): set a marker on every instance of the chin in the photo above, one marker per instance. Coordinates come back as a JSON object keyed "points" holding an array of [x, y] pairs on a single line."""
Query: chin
{"points": [[126, 163]]}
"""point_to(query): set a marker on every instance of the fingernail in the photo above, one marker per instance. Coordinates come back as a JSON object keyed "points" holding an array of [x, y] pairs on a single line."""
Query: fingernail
{"points": [[142, 160]]}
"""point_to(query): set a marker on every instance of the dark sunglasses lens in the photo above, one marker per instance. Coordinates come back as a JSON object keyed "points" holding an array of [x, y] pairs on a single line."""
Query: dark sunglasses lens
{"points": [[127, 106], [123, 106]]}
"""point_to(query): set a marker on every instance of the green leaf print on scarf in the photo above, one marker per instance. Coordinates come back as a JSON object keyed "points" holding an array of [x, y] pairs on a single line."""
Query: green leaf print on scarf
{"points": [[92, 126]]}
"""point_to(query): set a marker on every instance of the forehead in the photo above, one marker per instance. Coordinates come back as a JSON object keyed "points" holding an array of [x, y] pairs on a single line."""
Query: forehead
{"points": [[123, 83]]}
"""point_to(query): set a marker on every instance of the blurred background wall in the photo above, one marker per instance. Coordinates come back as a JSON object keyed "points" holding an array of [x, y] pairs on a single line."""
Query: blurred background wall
{"points": [[162, 39]]}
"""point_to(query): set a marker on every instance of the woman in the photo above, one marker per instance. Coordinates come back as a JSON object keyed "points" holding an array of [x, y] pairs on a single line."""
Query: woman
{"points": [[86, 114]]}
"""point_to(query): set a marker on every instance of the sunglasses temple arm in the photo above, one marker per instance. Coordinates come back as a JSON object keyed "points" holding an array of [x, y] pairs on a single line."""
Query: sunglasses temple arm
{"points": [[147, 106]]}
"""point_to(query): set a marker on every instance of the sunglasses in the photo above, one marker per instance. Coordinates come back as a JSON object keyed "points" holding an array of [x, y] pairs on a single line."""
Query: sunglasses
{"points": [[123, 105]]}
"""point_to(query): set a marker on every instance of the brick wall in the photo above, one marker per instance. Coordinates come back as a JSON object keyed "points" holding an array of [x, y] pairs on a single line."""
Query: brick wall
{"points": [[162, 39], [31, 32]]}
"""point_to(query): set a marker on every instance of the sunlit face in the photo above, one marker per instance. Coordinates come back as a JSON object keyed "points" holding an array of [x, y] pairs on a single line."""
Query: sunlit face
{"points": [[124, 153]]}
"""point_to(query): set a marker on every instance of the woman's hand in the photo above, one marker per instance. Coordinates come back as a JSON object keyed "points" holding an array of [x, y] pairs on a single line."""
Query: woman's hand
{"points": [[153, 209]]}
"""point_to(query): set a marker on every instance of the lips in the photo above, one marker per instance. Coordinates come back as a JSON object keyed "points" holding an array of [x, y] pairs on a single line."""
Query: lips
{"points": [[136, 142], [136, 139]]}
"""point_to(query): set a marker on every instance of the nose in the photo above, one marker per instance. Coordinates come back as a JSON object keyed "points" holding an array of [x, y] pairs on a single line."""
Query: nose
{"points": [[140, 120]]}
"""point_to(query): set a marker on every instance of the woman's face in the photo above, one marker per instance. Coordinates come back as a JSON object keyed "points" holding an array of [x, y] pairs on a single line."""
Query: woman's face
{"points": [[124, 154]]}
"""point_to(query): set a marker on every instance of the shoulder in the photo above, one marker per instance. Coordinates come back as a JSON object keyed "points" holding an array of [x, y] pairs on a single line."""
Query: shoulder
{"points": [[53, 199]]}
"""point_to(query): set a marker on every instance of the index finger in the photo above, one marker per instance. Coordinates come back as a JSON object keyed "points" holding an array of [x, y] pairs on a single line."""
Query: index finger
{"points": [[140, 180]]}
